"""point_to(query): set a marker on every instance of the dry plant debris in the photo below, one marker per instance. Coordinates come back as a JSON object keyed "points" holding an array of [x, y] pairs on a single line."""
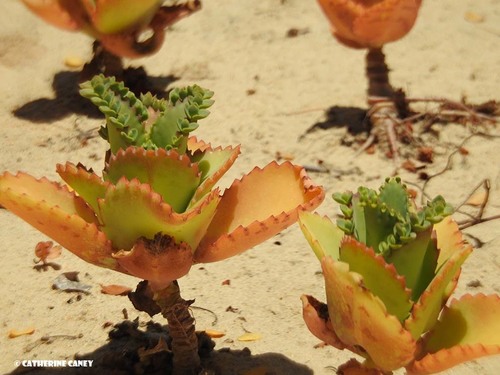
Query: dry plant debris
{"points": [[403, 133], [45, 250], [69, 282], [250, 336], [214, 334], [13, 333], [115, 290]]}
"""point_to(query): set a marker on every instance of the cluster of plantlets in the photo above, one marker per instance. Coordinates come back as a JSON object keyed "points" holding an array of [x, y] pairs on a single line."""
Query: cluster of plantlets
{"points": [[156, 211], [389, 269]]}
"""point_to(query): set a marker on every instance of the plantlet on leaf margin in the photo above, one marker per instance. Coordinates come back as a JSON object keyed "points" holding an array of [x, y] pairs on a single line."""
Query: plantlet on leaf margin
{"points": [[156, 211], [390, 268]]}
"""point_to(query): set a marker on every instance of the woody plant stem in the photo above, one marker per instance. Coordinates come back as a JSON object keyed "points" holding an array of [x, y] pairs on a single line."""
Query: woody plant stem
{"points": [[181, 324]]}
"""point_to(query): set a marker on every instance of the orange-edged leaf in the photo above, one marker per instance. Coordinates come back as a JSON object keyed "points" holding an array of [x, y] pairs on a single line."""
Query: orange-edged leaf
{"points": [[316, 317], [341, 15], [131, 210], [212, 165], [59, 214], [169, 174], [255, 208], [159, 260], [30, 191], [469, 328], [195, 145], [447, 358], [323, 236], [385, 22], [88, 185], [360, 319], [468, 320], [362, 24], [425, 312], [379, 277], [115, 290], [55, 13], [449, 239]]}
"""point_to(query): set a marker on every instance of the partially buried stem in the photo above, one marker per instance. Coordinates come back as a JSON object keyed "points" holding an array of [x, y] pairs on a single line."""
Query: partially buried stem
{"points": [[181, 324]]}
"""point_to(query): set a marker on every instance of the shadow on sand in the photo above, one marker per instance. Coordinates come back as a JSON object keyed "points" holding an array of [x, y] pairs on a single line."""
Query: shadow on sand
{"points": [[134, 351], [352, 118], [68, 101]]}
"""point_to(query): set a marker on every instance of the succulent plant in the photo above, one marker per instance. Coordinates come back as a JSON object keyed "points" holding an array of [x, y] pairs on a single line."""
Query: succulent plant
{"points": [[390, 268], [370, 24], [118, 24], [156, 211]]}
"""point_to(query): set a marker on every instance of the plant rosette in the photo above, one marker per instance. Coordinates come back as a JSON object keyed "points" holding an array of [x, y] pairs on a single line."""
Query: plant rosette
{"points": [[389, 269]]}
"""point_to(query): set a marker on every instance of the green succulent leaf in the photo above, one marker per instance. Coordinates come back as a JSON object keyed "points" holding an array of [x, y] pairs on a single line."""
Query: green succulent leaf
{"points": [[147, 122], [130, 210], [185, 107], [416, 261], [387, 220], [212, 164], [124, 113], [426, 310], [345, 226], [343, 198], [88, 185], [323, 236], [373, 221], [394, 196], [169, 174], [378, 276]]}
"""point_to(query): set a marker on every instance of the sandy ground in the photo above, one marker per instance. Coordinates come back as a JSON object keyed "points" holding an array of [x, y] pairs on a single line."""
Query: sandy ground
{"points": [[231, 47]]}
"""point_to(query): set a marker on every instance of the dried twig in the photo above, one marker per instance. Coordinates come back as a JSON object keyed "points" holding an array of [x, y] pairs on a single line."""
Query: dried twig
{"points": [[487, 186], [478, 218], [447, 166], [216, 318]]}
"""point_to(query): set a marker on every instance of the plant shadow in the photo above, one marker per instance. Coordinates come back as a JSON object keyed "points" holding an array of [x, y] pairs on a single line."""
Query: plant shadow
{"points": [[133, 351], [67, 100], [353, 118]]}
